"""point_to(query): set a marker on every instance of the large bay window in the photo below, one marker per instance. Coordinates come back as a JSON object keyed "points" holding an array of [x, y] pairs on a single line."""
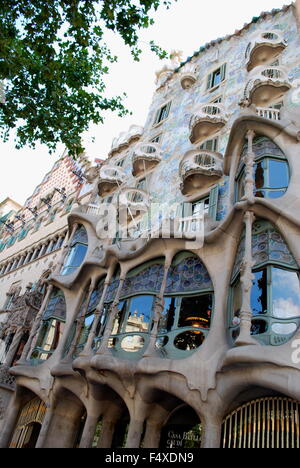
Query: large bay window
{"points": [[275, 293]]}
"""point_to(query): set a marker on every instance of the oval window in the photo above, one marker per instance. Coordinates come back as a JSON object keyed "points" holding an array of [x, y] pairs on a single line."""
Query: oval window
{"points": [[132, 343], [258, 327], [189, 340]]}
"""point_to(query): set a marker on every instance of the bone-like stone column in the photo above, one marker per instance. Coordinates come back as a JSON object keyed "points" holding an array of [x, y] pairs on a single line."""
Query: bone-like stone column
{"points": [[112, 314], [89, 431], [134, 433], [249, 164], [211, 435], [107, 434], [246, 285], [81, 320], [152, 435]]}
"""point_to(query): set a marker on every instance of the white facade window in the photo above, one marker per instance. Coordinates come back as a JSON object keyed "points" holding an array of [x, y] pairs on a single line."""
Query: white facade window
{"points": [[162, 113]]}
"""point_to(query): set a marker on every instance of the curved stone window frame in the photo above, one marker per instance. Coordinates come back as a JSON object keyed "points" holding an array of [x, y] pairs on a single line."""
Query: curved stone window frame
{"points": [[52, 328], [169, 341], [143, 281], [89, 317], [77, 252], [267, 265], [264, 158]]}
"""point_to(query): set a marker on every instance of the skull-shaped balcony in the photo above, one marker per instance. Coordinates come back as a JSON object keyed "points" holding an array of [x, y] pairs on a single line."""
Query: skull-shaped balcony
{"points": [[200, 169], [133, 202], [264, 48], [110, 178], [145, 157], [266, 86], [208, 121]]}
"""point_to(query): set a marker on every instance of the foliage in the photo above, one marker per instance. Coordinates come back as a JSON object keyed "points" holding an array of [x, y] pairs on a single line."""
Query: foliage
{"points": [[53, 58]]}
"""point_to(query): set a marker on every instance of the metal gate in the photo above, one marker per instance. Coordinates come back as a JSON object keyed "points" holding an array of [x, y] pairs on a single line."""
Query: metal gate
{"points": [[263, 423], [33, 412]]}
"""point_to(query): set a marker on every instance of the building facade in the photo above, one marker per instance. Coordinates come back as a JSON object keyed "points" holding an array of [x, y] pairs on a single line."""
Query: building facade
{"points": [[180, 329]]}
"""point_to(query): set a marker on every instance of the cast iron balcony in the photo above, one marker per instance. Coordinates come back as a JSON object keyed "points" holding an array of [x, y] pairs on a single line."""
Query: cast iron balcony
{"points": [[199, 169], [266, 86], [264, 48], [145, 157], [110, 178], [207, 122]]}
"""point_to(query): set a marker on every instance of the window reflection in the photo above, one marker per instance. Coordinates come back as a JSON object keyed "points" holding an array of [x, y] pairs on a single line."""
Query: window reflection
{"points": [[259, 293], [139, 314], [285, 293]]}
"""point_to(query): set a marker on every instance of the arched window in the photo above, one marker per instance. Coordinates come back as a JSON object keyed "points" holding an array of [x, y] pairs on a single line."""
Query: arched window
{"points": [[52, 328], [271, 170], [133, 322], [77, 251], [188, 305], [275, 295]]}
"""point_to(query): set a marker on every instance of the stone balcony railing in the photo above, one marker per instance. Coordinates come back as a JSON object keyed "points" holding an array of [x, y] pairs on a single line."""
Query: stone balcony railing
{"points": [[264, 48], [266, 86], [207, 121], [145, 157], [110, 178], [200, 168], [268, 113]]}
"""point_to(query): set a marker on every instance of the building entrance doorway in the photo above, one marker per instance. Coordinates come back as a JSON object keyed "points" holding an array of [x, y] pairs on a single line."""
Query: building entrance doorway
{"points": [[29, 424], [182, 430], [263, 423]]}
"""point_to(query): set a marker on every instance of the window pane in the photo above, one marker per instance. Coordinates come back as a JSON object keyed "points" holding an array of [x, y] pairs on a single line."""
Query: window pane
{"points": [[278, 174], [216, 77], [168, 315], [140, 312], [119, 318], [285, 293], [259, 293], [276, 194], [195, 311], [259, 175]]}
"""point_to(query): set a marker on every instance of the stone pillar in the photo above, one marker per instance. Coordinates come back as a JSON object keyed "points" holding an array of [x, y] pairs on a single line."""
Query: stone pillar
{"points": [[112, 313], [134, 433], [11, 419], [21, 261], [152, 435], [13, 347], [45, 427], [89, 431], [157, 313], [98, 314], [107, 434], [211, 436], [246, 286], [36, 327], [249, 163], [80, 320]]}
